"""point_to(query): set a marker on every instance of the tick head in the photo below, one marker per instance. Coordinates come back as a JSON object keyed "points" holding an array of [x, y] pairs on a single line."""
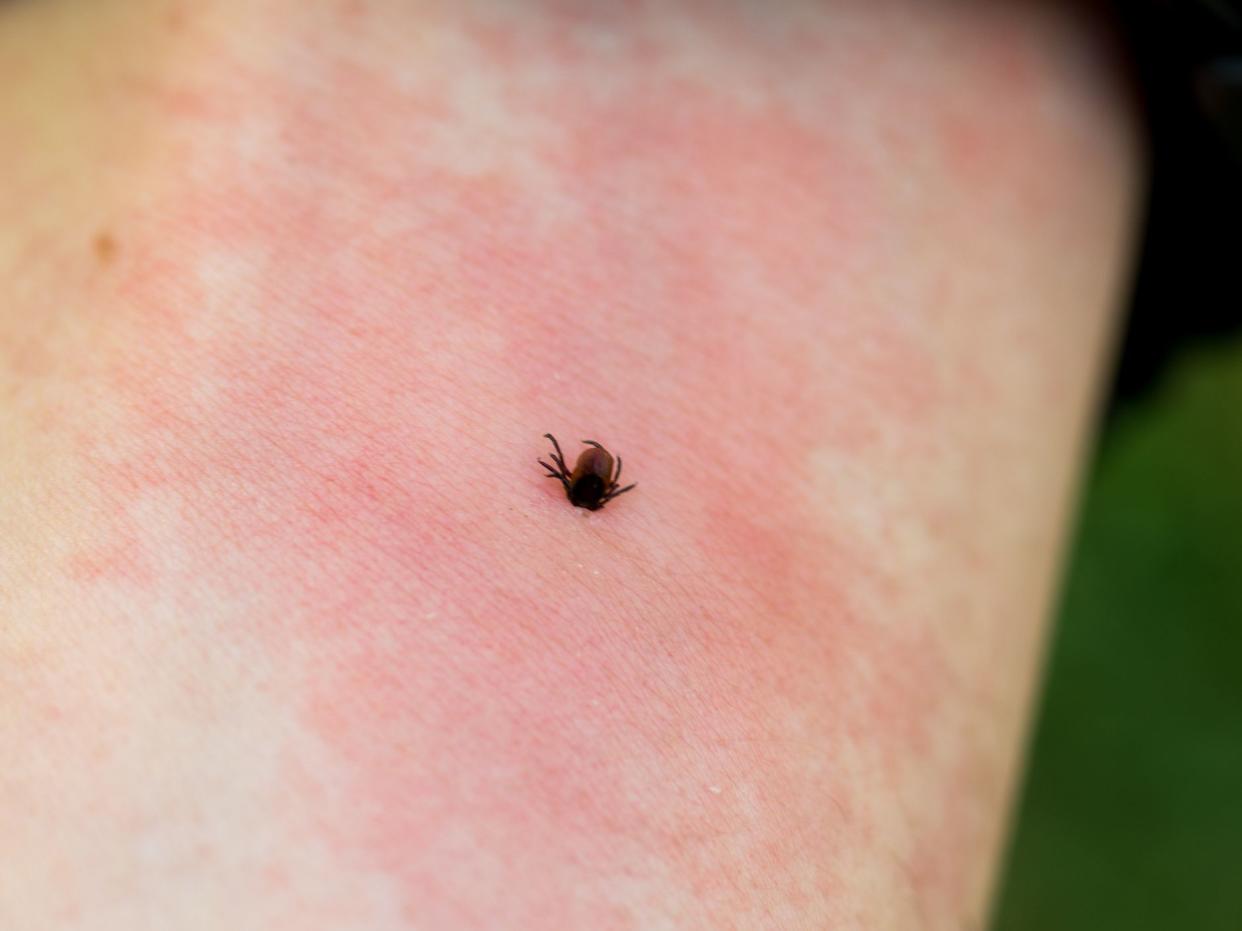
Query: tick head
{"points": [[587, 491]]}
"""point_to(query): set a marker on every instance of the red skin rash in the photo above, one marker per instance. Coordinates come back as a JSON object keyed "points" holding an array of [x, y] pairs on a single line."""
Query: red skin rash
{"points": [[344, 324], [489, 672]]}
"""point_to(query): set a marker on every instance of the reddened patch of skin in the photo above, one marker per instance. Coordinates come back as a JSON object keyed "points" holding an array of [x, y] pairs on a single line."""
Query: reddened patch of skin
{"points": [[365, 277], [589, 704]]}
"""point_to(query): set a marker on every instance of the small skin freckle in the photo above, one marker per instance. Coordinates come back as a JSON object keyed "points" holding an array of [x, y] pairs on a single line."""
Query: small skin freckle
{"points": [[105, 247]]}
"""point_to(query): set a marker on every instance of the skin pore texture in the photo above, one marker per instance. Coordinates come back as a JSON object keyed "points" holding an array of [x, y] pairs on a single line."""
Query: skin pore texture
{"points": [[295, 633]]}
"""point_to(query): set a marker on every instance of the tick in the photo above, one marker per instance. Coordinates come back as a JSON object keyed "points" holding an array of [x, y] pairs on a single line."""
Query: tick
{"points": [[592, 483]]}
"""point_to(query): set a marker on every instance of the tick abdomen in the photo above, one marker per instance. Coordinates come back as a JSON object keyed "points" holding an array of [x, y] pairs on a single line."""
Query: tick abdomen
{"points": [[595, 462]]}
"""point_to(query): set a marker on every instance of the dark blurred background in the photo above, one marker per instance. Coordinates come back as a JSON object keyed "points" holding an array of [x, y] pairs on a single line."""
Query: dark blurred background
{"points": [[1131, 816]]}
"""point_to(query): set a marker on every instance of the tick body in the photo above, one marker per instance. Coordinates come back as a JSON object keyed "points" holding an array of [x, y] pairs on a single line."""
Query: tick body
{"points": [[592, 483]]}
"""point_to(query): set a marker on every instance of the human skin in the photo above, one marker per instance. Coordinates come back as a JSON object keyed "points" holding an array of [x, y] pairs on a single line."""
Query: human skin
{"points": [[294, 633]]}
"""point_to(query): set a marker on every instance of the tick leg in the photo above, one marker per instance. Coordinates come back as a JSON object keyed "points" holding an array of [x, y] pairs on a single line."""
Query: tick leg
{"points": [[616, 478], [553, 473], [593, 443], [558, 457], [613, 494]]}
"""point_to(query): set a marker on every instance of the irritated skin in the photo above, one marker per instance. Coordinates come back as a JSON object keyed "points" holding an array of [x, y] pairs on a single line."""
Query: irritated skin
{"points": [[293, 631]]}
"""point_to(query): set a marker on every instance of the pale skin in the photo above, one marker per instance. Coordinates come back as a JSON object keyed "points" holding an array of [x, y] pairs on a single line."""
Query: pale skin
{"points": [[294, 631]]}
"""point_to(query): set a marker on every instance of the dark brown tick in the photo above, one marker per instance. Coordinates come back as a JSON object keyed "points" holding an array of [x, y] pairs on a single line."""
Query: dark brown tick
{"points": [[592, 483]]}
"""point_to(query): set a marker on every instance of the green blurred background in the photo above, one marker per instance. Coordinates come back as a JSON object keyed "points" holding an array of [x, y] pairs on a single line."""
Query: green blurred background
{"points": [[1131, 816]]}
